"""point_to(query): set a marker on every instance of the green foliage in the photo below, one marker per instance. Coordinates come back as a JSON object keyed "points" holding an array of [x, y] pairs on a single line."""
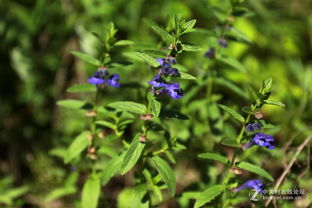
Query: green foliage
{"points": [[117, 143]]}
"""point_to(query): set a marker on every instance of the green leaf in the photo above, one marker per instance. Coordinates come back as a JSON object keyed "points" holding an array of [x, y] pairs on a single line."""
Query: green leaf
{"points": [[155, 53], [106, 124], [60, 192], [123, 43], [188, 26], [156, 195], [132, 155], [230, 142], [233, 113], [255, 169], [173, 114], [154, 104], [266, 86], [74, 104], [247, 109], [148, 59], [163, 34], [272, 102], [86, 87], [184, 75], [166, 173], [231, 62], [77, 146], [208, 195], [91, 192], [239, 35], [232, 87], [130, 106], [111, 169], [86, 58], [214, 156], [187, 47], [137, 196]]}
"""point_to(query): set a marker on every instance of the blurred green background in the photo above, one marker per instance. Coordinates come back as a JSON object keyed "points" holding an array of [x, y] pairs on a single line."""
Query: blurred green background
{"points": [[37, 68]]}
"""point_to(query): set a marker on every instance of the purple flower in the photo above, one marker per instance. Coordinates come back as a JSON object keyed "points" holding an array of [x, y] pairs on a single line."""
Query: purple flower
{"points": [[250, 128], [166, 68], [211, 53], [171, 60], [223, 42], [157, 82], [174, 72], [174, 90], [254, 184], [253, 127], [160, 61], [97, 78], [261, 139], [102, 77], [113, 80], [257, 126]]}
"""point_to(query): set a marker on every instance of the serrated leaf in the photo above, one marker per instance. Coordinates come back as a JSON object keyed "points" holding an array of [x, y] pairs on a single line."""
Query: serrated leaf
{"points": [[91, 192], [214, 156], [184, 75], [86, 58], [123, 43], [132, 155], [272, 102], [74, 104], [106, 124], [130, 106], [208, 195], [148, 59], [86, 87], [111, 169], [233, 113], [187, 47], [163, 34], [255, 169], [77, 146], [166, 173], [231, 62], [154, 104]]}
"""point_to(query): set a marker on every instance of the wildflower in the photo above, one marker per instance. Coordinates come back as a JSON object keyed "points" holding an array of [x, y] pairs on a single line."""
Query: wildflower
{"points": [[102, 77], [96, 79], [113, 80], [254, 184], [166, 68], [253, 127], [211, 53], [261, 139], [157, 82], [174, 90], [223, 42]]}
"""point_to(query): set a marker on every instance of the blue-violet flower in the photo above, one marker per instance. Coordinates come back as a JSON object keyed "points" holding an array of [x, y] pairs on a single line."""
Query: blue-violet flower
{"points": [[211, 53], [253, 127], [261, 139], [254, 184], [102, 77]]}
